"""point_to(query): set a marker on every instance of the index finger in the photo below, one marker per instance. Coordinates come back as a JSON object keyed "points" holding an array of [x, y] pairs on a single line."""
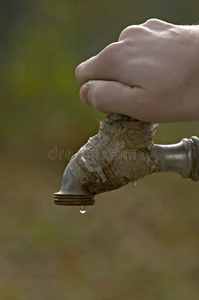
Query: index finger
{"points": [[104, 66]]}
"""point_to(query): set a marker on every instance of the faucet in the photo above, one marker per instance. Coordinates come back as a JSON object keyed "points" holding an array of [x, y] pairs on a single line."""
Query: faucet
{"points": [[121, 152]]}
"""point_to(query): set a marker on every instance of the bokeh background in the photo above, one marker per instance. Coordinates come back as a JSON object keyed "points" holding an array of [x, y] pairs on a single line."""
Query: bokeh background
{"points": [[139, 243]]}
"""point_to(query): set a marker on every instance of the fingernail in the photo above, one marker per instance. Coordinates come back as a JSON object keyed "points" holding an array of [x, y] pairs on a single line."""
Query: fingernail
{"points": [[84, 91]]}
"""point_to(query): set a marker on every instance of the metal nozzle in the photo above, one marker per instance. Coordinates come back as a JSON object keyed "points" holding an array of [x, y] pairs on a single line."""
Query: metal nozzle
{"points": [[76, 200], [71, 192]]}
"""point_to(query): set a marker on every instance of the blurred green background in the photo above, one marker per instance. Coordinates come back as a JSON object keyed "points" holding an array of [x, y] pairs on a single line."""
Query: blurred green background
{"points": [[137, 243]]}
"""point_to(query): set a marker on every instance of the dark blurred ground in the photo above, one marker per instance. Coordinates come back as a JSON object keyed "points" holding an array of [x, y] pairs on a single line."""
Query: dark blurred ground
{"points": [[137, 243]]}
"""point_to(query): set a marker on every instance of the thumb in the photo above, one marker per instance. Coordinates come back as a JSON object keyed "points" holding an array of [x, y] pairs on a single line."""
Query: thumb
{"points": [[112, 97]]}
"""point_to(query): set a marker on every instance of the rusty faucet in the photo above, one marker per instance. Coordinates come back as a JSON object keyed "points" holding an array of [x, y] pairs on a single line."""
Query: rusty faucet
{"points": [[123, 151]]}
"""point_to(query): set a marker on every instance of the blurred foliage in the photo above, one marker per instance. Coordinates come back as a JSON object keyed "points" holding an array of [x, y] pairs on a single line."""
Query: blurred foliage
{"points": [[136, 243]]}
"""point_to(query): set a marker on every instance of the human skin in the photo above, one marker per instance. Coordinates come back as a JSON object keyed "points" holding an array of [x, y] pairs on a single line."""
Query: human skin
{"points": [[151, 74]]}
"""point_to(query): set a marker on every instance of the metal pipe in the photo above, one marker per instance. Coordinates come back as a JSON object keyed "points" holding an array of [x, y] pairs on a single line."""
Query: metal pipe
{"points": [[180, 158]]}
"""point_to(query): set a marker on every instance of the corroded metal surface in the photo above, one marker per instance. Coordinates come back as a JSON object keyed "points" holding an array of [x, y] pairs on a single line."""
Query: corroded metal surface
{"points": [[121, 152]]}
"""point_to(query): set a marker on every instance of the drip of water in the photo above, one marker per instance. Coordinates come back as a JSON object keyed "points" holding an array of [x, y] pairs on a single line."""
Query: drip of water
{"points": [[82, 209]]}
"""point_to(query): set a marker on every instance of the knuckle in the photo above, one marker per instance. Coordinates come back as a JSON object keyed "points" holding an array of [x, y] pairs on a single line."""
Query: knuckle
{"points": [[79, 73], [132, 31], [84, 71], [111, 48], [125, 32], [109, 53], [152, 21], [155, 23], [77, 70]]}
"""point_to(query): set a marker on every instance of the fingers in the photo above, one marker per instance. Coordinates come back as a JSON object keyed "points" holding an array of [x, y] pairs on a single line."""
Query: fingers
{"points": [[114, 97], [86, 71], [106, 65]]}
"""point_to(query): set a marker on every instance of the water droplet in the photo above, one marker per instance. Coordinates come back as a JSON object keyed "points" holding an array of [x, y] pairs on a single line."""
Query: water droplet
{"points": [[82, 209]]}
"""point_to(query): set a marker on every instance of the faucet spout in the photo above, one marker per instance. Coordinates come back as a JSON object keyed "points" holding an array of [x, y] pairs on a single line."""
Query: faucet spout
{"points": [[72, 192]]}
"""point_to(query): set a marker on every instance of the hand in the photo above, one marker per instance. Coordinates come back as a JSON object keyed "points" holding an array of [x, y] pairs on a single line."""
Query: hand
{"points": [[151, 74]]}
